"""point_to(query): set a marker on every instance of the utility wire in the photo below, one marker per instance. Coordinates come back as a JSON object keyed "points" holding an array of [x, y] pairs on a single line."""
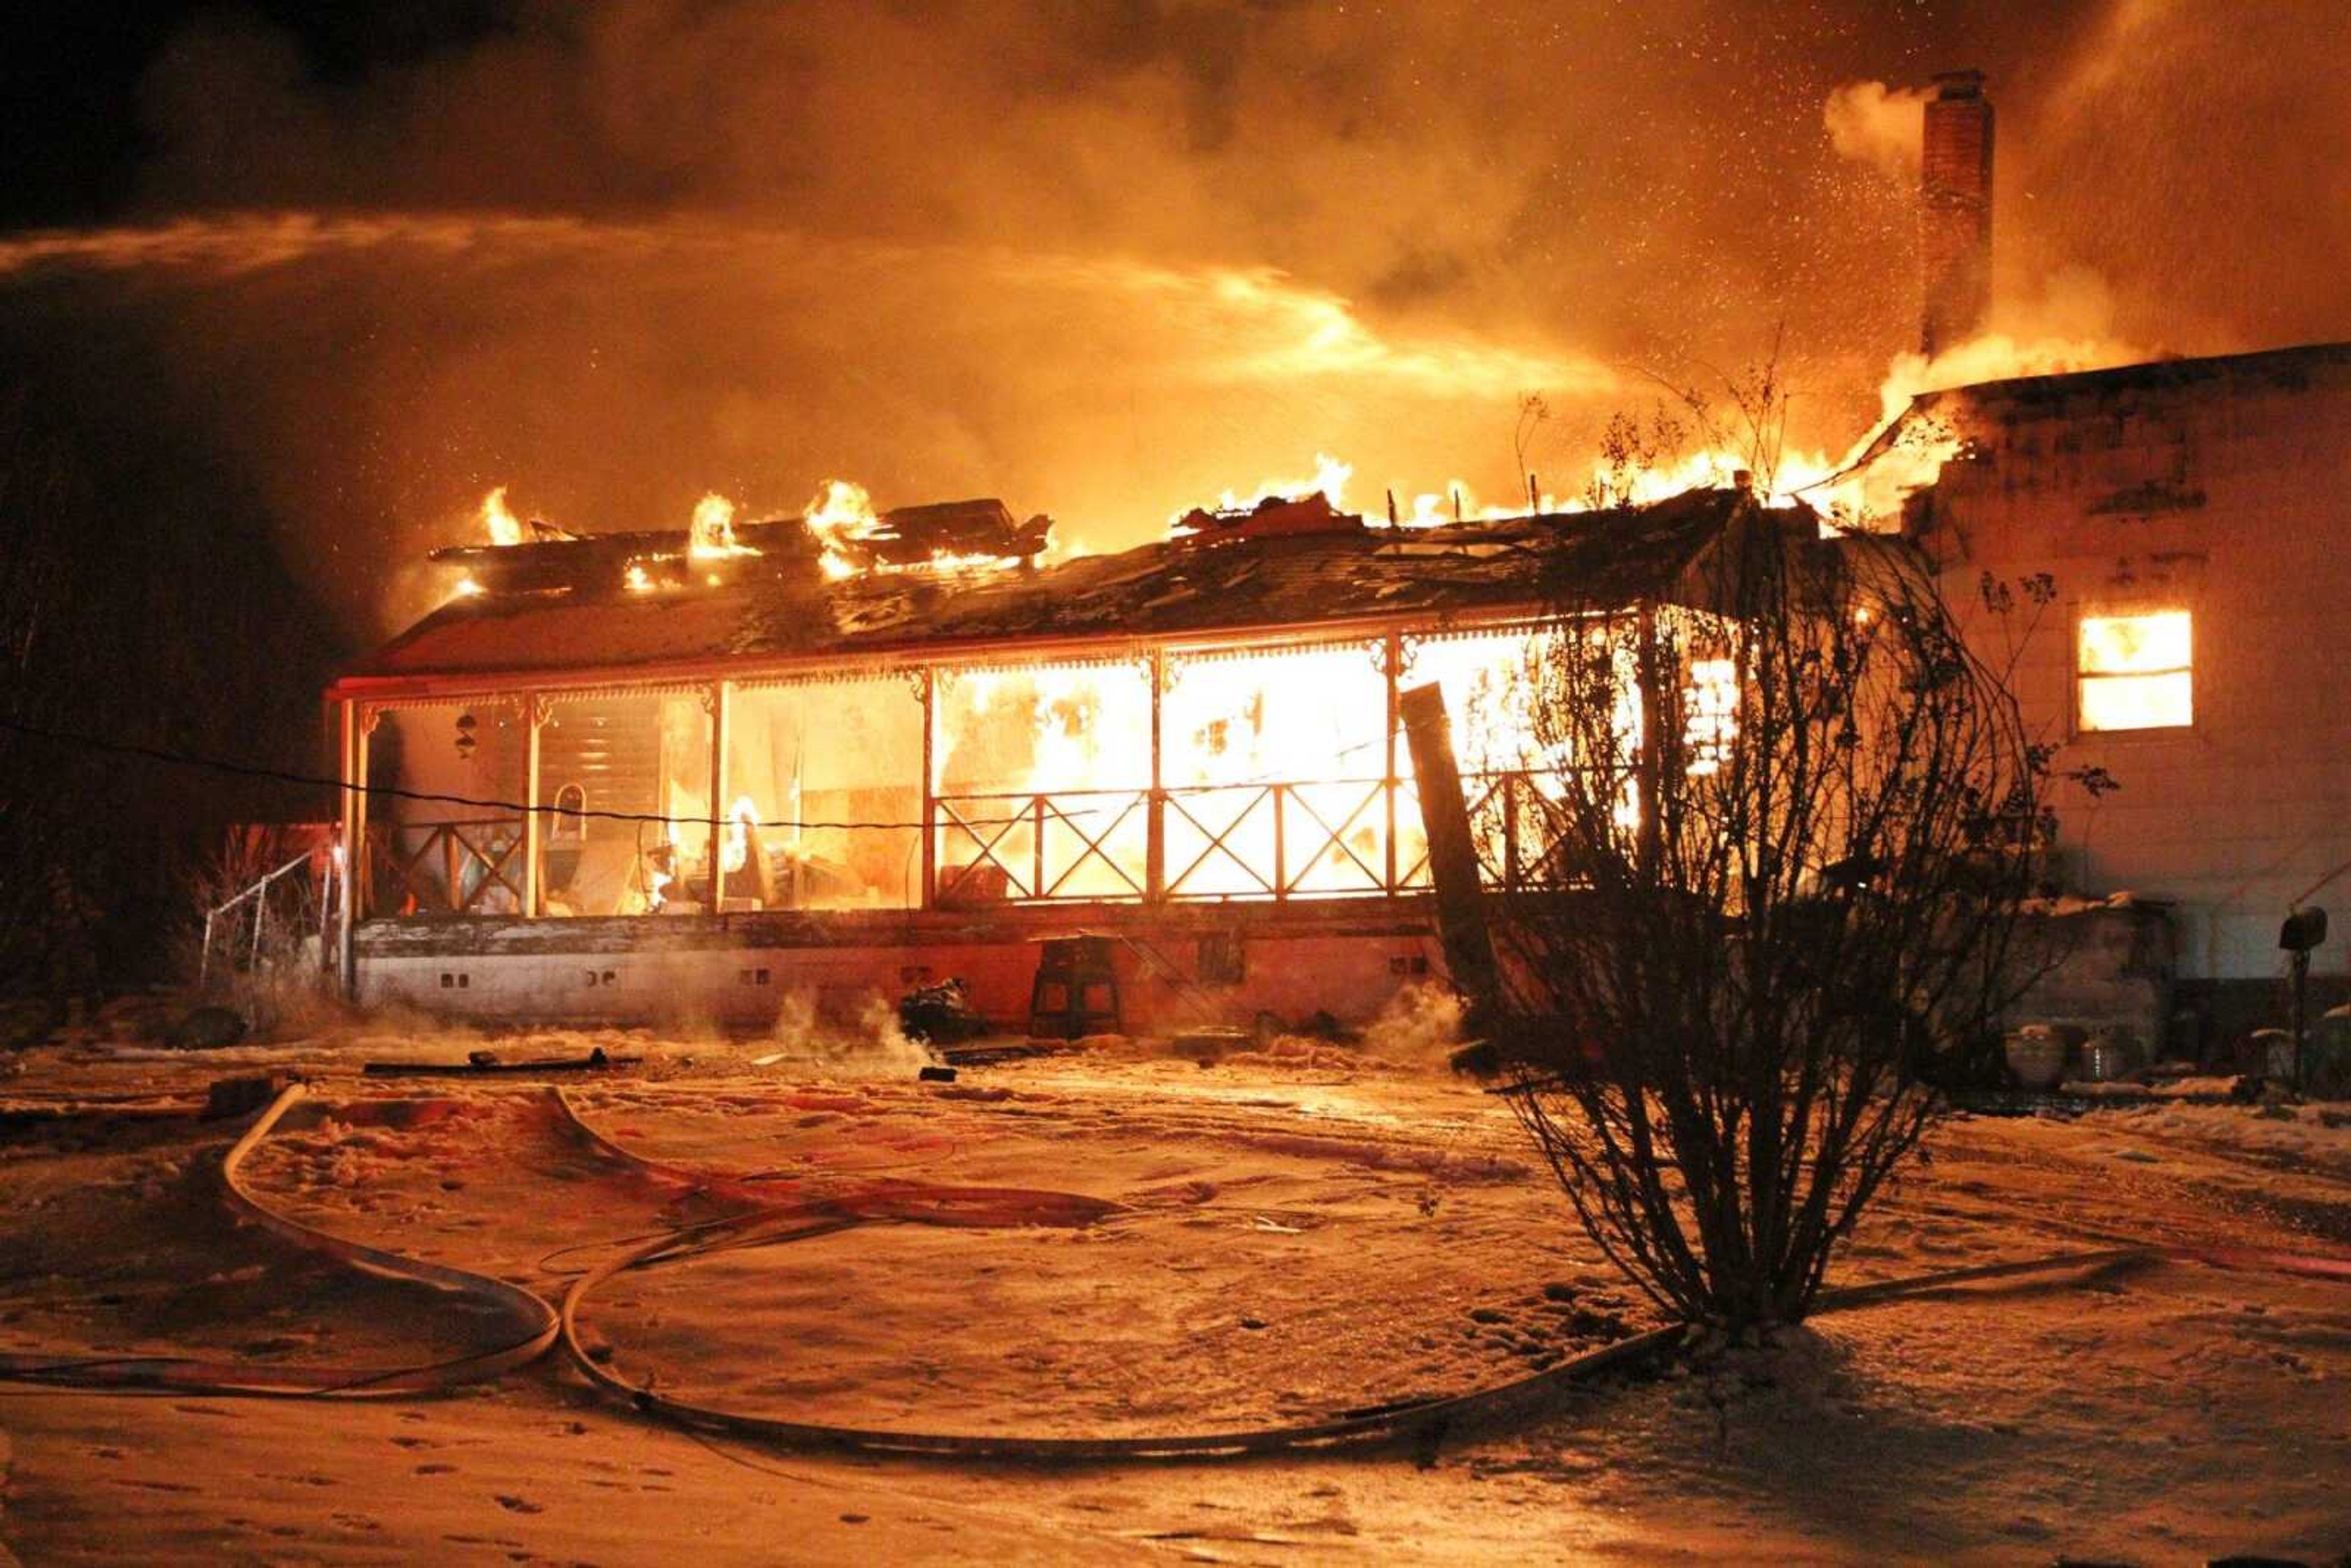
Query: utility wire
{"points": [[249, 770], [318, 781]]}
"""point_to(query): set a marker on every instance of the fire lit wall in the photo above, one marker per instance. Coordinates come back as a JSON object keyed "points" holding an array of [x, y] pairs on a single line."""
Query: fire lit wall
{"points": [[2217, 488]]}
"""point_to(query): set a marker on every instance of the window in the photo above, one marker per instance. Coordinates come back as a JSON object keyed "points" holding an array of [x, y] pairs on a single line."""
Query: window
{"points": [[2134, 671]]}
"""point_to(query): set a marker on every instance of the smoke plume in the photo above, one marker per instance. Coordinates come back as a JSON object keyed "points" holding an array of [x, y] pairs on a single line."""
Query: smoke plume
{"points": [[1108, 260]]}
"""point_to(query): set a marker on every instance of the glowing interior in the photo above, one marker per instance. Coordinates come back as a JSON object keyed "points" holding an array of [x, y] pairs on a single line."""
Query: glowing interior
{"points": [[2134, 671], [1246, 772]]}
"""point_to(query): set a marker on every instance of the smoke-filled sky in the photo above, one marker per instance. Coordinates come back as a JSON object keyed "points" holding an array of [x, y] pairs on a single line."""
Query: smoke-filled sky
{"points": [[1104, 259]]}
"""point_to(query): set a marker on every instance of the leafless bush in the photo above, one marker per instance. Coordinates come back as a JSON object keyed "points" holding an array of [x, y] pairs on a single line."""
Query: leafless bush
{"points": [[1797, 877]]}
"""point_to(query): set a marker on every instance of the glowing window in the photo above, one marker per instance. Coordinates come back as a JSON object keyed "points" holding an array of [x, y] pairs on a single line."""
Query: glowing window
{"points": [[2134, 671], [1711, 701]]}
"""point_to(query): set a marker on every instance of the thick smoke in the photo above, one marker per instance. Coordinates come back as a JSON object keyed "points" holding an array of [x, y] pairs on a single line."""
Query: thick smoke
{"points": [[1107, 260]]}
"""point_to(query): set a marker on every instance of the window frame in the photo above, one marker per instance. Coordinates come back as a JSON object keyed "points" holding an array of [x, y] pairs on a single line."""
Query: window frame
{"points": [[2082, 679]]}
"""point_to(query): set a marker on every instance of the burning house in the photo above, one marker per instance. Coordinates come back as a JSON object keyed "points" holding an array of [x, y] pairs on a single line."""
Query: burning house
{"points": [[848, 754]]}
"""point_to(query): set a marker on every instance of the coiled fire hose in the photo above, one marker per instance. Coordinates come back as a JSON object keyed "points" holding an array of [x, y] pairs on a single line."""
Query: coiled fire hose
{"points": [[793, 1219], [537, 1324], [776, 1219]]}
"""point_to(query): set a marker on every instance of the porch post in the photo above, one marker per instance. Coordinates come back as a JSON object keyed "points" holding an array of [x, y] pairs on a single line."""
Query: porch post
{"points": [[533, 829], [347, 844], [1393, 659], [358, 722], [927, 686], [722, 700], [1155, 810], [362, 866]]}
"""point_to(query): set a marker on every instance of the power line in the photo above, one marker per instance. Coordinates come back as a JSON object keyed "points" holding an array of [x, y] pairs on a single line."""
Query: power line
{"points": [[318, 781], [313, 781]]}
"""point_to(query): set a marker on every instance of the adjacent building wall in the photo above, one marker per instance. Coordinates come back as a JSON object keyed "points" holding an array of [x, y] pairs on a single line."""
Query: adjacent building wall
{"points": [[2219, 486]]}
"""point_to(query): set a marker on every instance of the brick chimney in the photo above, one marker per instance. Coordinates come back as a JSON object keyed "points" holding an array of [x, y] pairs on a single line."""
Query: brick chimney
{"points": [[1955, 212]]}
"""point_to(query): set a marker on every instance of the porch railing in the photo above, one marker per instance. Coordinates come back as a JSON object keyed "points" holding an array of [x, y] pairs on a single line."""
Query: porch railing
{"points": [[1201, 842], [1072, 844], [1258, 841], [222, 915], [450, 868]]}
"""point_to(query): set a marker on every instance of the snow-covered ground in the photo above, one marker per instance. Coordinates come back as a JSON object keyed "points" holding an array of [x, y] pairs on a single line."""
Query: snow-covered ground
{"points": [[1298, 1233]]}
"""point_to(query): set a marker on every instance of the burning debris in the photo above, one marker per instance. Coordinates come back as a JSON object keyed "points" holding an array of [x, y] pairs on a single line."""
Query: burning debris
{"points": [[839, 537], [502, 529], [712, 535]]}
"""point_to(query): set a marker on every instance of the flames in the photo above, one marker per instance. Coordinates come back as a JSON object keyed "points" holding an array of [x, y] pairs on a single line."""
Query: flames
{"points": [[839, 514], [1864, 489], [1330, 481], [840, 519], [711, 534], [500, 526], [1274, 761]]}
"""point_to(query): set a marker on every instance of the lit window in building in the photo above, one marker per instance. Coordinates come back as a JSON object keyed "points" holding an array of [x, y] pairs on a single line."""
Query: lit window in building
{"points": [[1711, 703], [2135, 671]]}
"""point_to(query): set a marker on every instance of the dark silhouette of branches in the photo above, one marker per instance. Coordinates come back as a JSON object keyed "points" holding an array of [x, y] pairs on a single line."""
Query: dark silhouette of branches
{"points": [[1800, 816]]}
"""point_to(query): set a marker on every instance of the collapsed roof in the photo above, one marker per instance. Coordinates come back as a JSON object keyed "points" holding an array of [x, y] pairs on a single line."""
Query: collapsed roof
{"points": [[1231, 580]]}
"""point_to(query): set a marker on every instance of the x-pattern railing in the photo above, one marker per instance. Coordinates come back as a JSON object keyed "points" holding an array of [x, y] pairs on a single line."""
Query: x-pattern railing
{"points": [[1284, 861], [1503, 807], [1219, 841], [993, 827], [494, 845], [1227, 841], [1334, 838]]}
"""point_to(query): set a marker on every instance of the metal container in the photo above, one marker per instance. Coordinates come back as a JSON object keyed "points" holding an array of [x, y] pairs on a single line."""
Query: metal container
{"points": [[2038, 1054]]}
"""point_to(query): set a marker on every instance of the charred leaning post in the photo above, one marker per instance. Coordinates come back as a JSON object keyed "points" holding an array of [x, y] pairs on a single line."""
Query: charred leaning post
{"points": [[1955, 212], [1452, 857], [927, 688]]}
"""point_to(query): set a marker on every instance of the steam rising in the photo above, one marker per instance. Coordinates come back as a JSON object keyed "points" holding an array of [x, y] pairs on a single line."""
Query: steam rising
{"points": [[1882, 127], [873, 1046]]}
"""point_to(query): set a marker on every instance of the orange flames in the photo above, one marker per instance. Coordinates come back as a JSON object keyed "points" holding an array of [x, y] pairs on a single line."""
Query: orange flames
{"points": [[500, 525], [840, 519], [839, 515], [711, 534]]}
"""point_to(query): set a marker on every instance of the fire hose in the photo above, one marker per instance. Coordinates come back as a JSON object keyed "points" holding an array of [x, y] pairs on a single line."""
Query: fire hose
{"points": [[772, 1219], [797, 1219], [190, 1375]]}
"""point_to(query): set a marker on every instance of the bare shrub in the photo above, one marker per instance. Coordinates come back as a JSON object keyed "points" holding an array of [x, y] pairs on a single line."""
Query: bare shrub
{"points": [[1798, 816]]}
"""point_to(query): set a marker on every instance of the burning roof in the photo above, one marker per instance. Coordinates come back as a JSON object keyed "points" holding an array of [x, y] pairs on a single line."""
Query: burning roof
{"points": [[561, 606], [840, 534]]}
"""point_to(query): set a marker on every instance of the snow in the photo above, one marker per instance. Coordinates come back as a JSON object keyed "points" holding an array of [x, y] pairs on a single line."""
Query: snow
{"points": [[1299, 1230]]}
